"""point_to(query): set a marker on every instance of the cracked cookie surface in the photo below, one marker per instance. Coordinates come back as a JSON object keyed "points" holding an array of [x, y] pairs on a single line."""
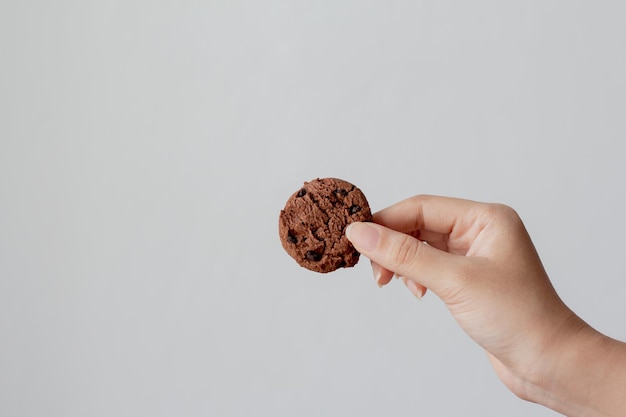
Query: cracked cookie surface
{"points": [[312, 225]]}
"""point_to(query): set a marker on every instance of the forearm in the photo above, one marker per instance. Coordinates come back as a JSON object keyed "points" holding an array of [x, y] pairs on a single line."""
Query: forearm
{"points": [[586, 376]]}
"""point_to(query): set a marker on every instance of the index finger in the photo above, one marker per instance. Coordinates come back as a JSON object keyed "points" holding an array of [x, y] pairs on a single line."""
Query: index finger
{"points": [[428, 213]]}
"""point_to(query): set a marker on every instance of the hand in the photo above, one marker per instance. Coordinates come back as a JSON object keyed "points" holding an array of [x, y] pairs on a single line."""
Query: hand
{"points": [[479, 259]]}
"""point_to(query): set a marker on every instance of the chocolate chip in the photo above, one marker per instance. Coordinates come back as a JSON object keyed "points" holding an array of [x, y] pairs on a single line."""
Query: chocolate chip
{"points": [[313, 256], [315, 235], [301, 193], [341, 192], [291, 238], [355, 209], [342, 264]]}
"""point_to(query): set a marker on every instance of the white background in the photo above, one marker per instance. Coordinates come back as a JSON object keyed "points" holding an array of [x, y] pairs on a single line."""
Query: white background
{"points": [[147, 147]]}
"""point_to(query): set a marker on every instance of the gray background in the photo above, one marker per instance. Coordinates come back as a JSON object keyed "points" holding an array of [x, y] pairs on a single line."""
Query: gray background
{"points": [[147, 147]]}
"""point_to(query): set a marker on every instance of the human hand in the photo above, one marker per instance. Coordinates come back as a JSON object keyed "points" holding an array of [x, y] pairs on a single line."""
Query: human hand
{"points": [[479, 259]]}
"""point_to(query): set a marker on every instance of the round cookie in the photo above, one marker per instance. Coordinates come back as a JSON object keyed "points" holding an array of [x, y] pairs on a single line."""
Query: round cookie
{"points": [[312, 225]]}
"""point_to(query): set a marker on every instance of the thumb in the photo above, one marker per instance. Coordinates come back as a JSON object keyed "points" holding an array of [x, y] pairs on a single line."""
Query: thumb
{"points": [[406, 256]]}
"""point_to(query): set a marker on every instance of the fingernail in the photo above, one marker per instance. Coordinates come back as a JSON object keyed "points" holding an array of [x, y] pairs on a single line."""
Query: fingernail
{"points": [[415, 290], [363, 236], [376, 269]]}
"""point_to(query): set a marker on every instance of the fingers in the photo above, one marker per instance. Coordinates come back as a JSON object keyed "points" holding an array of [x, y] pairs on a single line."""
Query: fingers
{"points": [[431, 215], [416, 289], [419, 219], [405, 255], [384, 276]]}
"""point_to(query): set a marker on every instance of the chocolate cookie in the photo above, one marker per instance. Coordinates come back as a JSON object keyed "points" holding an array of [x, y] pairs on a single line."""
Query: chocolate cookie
{"points": [[313, 223]]}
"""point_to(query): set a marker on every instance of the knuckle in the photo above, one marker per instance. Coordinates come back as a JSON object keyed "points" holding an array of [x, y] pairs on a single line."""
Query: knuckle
{"points": [[504, 214], [505, 211], [404, 250]]}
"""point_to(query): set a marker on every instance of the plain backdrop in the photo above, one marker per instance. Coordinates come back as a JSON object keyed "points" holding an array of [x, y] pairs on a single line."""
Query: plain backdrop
{"points": [[147, 147]]}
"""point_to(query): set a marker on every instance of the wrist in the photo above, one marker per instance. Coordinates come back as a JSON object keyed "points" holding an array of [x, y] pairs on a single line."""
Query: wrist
{"points": [[581, 373]]}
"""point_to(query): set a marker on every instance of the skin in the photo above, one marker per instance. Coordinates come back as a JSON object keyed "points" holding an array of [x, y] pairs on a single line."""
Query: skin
{"points": [[479, 259]]}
